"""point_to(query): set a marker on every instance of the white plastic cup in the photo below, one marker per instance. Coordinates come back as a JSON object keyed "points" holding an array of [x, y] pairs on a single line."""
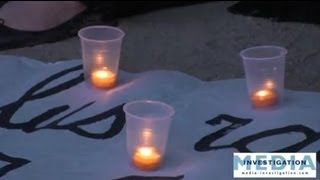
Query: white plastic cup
{"points": [[264, 70], [147, 124], [101, 47]]}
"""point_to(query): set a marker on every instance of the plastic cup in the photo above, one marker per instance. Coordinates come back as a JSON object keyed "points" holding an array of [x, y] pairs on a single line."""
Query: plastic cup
{"points": [[101, 47], [147, 124], [264, 70]]}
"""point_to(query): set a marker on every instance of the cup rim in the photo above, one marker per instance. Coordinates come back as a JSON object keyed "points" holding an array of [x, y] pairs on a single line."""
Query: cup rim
{"points": [[283, 51], [122, 34], [170, 108]]}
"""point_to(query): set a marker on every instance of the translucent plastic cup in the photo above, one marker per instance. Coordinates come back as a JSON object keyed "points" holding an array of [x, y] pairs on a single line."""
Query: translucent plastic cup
{"points": [[264, 69], [148, 124], [101, 47]]}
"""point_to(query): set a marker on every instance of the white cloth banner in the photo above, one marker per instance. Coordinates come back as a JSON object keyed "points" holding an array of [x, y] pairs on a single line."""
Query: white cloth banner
{"points": [[53, 126]]}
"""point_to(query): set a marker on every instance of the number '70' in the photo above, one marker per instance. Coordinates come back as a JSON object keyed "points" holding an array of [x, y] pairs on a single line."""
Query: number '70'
{"points": [[204, 144]]}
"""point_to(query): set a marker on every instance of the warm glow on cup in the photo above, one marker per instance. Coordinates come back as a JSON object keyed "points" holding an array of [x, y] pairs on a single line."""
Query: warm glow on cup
{"points": [[148, 124], [269, 84], [101, 47], [264, 69]]}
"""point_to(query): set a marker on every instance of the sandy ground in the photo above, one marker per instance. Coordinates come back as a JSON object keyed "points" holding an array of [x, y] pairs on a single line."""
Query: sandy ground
{"points": [[202, 40]]}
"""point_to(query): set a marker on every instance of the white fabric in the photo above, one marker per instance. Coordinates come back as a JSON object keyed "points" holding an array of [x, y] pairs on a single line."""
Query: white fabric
{"points": [[64, 155]]}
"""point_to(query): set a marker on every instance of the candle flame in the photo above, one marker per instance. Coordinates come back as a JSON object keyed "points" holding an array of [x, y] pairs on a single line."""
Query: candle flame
{"points": [[145, 151], [262, 93], [102, 74], [103, 78]]}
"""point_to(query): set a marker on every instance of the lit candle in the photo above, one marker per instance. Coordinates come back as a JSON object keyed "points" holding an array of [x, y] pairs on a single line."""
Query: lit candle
{"points": [[146, 158], [264, 98], [103, 78]]}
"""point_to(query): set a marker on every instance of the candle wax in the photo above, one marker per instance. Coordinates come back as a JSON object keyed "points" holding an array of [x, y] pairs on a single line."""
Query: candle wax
{"points": [[146, 158], [103, 78]]}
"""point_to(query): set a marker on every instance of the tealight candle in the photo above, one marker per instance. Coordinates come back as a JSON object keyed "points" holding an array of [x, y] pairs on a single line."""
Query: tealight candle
{"points": [[264, 71], [146, 158], [103, 78], [148, 123], [264, 98]]}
